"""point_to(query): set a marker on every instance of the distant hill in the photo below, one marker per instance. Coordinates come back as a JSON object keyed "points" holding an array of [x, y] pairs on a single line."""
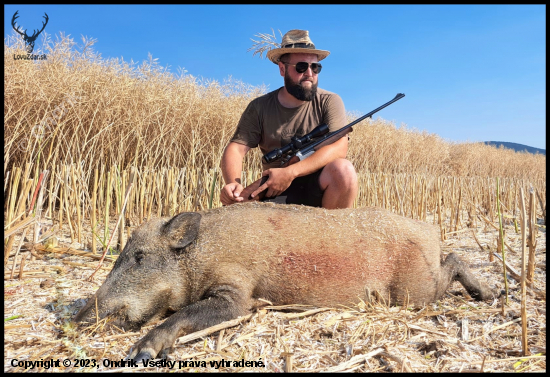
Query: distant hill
{"points": [[516, 147]]}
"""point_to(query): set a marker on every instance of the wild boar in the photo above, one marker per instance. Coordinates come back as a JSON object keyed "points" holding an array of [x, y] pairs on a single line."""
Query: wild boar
{"points": [[200, 269]]}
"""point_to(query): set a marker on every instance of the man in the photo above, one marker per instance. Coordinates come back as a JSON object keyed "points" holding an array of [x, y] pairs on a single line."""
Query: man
{"points": [[325, 179]]}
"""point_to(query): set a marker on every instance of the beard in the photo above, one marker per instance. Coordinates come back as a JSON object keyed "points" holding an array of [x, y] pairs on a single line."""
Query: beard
{"points": [[298, 91]]}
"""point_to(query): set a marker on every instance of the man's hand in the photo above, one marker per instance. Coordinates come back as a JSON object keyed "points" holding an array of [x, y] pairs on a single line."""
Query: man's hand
{"points": [[279, 180], [231, 194]]}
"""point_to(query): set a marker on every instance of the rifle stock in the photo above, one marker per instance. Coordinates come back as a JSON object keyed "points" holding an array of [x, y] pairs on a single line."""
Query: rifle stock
{"points": [[248, 190]]}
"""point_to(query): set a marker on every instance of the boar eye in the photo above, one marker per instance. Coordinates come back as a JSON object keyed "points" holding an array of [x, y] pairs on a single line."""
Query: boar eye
{"points": [[139, 256]]}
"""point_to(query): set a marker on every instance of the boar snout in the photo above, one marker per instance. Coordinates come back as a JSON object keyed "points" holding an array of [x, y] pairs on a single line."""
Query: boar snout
{"points": [[88, 312], [130, 312]]}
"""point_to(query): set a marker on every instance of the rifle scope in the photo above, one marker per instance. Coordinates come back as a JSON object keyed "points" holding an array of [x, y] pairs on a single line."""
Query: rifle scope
{"points": [[295, 144]]}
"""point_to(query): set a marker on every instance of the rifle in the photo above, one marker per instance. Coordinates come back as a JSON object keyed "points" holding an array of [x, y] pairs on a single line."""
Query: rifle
{"points": [[301, 148]]}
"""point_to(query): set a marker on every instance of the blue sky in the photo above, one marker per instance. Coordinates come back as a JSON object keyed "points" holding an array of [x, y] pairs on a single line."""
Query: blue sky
{"points": [[469, 72]]}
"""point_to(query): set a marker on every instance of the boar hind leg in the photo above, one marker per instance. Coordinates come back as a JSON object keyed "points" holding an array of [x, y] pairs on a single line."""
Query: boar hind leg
{"points": [[221, 304], [453, 268]]}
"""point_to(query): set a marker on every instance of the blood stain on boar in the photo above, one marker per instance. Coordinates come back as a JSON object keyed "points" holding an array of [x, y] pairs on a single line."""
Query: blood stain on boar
{"points": [[310, 271]]}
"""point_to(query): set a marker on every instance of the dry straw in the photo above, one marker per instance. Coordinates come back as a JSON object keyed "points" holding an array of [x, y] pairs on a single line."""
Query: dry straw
{"points": [[266, 43]]}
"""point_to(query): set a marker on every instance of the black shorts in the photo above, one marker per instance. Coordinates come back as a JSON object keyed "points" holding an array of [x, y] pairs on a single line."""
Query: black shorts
{"points": [[304, 190]]}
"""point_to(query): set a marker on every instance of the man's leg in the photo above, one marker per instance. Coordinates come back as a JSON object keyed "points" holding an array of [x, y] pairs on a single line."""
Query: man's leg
{"points": [[338, 180], [302, 191]]}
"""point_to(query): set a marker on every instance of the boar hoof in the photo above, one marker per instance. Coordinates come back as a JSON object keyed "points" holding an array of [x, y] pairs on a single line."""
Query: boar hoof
{"points": [[142, 356], [155, 344]]}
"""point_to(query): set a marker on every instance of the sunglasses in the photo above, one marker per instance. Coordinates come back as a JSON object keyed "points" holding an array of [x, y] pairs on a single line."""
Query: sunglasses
{"points": [[301, 67]]}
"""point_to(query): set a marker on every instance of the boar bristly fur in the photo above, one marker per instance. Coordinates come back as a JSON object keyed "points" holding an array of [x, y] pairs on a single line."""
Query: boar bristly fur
{"points": [[200, 269]]}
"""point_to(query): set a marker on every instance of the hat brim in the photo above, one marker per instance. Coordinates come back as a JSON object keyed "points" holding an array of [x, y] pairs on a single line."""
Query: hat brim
{"points": [[275, 54]]}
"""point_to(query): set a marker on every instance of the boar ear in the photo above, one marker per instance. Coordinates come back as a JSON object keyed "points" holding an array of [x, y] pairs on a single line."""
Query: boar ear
{"points": [[182, 229]]}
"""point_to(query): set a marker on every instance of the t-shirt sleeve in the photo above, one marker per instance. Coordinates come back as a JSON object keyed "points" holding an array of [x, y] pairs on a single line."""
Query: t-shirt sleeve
{"points": [[248, 130], [335, 115]]}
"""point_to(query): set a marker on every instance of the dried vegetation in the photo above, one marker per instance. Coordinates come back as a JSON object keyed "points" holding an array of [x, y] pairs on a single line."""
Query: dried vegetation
{"points": [[117, 137]]}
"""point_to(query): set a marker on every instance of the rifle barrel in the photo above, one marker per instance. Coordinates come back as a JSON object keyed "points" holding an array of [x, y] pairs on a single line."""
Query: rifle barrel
{"points": [[397, 97]]}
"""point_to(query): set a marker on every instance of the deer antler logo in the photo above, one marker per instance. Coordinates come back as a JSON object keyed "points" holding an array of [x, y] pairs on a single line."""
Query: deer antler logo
{"points": [[29, 41]]}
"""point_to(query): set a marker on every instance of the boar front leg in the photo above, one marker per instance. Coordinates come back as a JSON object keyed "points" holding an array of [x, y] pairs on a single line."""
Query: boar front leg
{"points": [[220, 304]]}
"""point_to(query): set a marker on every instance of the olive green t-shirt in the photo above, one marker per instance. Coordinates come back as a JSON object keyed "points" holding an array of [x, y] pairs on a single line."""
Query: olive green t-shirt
{"points": [[269, 125]]}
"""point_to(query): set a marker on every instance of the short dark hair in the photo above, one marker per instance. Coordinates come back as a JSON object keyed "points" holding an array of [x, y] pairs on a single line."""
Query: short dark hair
{"points": [[283, 57]]}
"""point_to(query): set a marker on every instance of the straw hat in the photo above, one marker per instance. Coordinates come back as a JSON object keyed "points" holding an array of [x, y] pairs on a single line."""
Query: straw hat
{"points": [[296, 41]]}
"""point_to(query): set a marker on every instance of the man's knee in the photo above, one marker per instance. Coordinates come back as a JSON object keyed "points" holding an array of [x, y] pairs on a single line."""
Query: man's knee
{"points": [[340, 172]]}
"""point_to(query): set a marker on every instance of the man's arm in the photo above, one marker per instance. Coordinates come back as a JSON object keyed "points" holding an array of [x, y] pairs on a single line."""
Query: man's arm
{"points": [[281, 178], [232, 165], [322, 157]]}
